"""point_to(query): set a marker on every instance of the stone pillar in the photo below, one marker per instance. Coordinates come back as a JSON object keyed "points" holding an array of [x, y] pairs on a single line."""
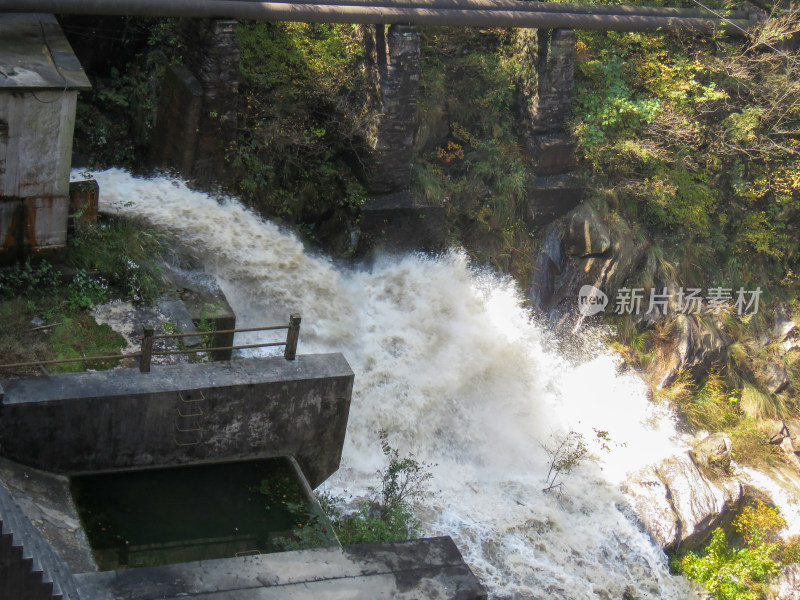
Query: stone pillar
{"points": [[394, 58], [551, 107], [197, 116], [545, 89]]}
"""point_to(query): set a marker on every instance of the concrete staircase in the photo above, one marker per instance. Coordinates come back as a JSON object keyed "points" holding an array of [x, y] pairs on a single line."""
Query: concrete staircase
{"points": [[29, 568]]}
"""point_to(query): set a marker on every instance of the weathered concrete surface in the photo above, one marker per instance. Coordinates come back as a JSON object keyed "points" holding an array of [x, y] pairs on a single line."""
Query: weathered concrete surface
{"points": [[554, 153], [38, 96], [29, 569], [174, 140], [432, 569], [35, 54], [46, 500], [551, 196], [551, 107], [394, 222], [181, 414], [197, 112]]}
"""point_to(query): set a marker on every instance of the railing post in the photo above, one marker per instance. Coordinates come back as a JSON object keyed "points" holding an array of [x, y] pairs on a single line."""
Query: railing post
{"points": [[291, 336], [147, 349]]}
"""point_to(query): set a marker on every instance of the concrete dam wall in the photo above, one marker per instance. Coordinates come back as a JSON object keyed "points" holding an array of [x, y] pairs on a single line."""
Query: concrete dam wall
{"points": [[181, 414]]}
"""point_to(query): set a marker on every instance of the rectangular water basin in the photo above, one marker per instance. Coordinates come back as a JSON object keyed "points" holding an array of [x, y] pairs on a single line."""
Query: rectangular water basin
{"points": [[183, 514]]}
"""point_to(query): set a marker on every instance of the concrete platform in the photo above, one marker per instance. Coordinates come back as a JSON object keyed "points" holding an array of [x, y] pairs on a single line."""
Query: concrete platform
{"points": [[430, 569], [181, 414]]}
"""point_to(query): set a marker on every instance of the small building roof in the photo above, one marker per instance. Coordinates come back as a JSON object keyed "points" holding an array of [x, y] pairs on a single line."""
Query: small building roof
{"points": [[34, 54]]}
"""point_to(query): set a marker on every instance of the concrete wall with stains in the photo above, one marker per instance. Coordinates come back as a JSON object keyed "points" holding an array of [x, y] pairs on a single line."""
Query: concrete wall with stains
{"points": [[38, 97], [181, 414]]}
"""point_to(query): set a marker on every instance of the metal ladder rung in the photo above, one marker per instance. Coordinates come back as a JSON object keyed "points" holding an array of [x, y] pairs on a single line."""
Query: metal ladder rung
{"points": [[200, 399], [194, 414], [187, 430], [177, 443]]}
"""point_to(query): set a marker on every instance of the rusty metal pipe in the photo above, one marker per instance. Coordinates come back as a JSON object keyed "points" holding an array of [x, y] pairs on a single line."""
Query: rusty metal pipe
{"points": [[316, 13]]}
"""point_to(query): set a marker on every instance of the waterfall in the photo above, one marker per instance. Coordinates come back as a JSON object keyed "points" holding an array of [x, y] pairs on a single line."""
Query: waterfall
{"points": [[452, 366]]}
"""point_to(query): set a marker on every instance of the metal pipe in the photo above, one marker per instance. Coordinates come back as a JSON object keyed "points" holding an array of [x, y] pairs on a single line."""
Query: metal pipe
{"points": [[317, 13], [532, 6]]}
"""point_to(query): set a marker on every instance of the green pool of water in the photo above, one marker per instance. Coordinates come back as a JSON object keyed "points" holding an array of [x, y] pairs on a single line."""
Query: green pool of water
{"points": [[182, 514]]}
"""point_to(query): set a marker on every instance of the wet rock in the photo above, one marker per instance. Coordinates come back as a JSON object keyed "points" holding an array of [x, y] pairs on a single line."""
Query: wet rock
{"points": [[680, 504], [542, 281], [713, 452], [793, 427], [650, 500], [774, 430], [786, 331], [586, 233], [340, 235], [773, 377], [694, 346], [606, 271], [699, 502], [547, 267], [786, 584]]}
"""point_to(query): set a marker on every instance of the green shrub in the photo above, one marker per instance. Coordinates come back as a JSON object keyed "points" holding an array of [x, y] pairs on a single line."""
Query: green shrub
{"points": [[29, 280], [123, 252], [388, 515], [115, 118], [84, 292], [731, 573]]}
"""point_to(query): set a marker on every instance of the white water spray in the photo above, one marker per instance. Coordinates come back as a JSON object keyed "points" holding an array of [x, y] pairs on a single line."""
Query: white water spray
{"points": [[450, 364]]}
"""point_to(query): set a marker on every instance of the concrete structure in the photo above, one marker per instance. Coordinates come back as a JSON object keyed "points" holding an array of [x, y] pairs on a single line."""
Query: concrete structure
{"points": [[393, 56], [44, 554], [181, 414], [39, 82], [545, 88], [121, 419], [395, 222], [29, 568], [432, 569], [197, 112]]}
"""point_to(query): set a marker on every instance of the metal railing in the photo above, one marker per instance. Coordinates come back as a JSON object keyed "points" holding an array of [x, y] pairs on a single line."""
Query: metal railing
{"points": [[147, 351]]}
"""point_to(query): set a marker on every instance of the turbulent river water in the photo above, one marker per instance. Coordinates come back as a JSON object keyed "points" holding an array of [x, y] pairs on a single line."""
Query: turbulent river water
{"points": [[452, 366]]}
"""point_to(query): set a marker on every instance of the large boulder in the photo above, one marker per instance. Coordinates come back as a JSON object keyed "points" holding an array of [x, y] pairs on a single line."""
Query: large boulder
{"points": [[773, 377], [775, 430], [793, 427], [714, 452], [693, 345], [786, 584], [592, 251], [680, 504]]}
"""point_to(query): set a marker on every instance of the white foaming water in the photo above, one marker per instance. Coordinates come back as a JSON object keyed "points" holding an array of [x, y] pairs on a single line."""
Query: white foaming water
{"points": [[450, 364]]}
